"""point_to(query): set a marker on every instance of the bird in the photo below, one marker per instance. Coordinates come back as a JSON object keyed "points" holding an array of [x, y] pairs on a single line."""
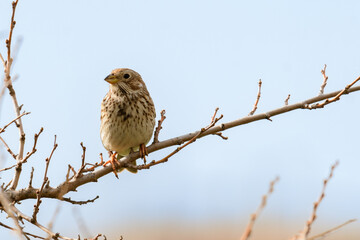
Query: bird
{"points": [[127, 117]]}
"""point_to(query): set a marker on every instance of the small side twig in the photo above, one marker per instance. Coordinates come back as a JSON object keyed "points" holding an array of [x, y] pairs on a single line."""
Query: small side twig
{"points": [[28, 155], [257, 99], [255, 215], [31, 177], [287, 100], [79, 202], [8, 149], [81, 169], [323, 85], [12, 121], [45, 181], [220, 135], [334, 99], [159, 127], [7, 168]]}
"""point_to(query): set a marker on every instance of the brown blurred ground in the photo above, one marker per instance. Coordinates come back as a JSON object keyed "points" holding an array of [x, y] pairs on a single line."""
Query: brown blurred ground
{"points": [[263, 230]]}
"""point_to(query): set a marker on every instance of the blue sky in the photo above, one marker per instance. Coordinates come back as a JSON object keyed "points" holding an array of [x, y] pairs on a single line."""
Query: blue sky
{"points": [[194, 56]]}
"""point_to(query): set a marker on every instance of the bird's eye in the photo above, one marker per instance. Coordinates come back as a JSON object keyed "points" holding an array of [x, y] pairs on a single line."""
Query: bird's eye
{"points": [[126, 75]]}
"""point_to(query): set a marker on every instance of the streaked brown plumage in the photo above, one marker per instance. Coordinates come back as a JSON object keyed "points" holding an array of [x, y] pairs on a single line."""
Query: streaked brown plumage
{"points": [[127, 114]]}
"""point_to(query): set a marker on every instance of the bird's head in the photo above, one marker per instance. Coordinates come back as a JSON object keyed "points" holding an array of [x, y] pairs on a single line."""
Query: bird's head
{"points": [[126, 79]]}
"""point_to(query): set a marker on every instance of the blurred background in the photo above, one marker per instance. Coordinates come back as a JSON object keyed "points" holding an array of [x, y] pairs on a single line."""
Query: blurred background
{"points": [[194, 56]]}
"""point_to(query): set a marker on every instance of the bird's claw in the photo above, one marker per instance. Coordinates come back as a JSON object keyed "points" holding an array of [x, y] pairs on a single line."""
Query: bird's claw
{"points": [[113, 161]]}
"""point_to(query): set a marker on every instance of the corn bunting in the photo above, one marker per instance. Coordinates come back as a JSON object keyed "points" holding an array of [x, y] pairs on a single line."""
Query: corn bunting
{"points": [[127, 116]]}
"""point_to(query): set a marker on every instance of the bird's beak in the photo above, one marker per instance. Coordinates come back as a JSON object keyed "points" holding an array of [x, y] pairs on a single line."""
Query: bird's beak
{"points": [[111, 79]]}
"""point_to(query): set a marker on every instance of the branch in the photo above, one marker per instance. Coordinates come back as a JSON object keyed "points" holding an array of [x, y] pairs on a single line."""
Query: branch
{"points": [[28, 155], [9, 150], [214, 120], [12, 121], [8, 84], [322, 235], [79, 202], [257, 100], [335, 98], [323, 85], [305, 232], [92, 176], [45, 181], [159, 127], [287, 100], [254, 216]]}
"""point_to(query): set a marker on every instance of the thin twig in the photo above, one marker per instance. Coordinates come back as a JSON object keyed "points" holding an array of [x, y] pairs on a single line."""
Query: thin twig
{"points": [[323, 85], [287, 100], [159, 127], [255, 215], [220, 135], [28, 155], [12, 93], [80, 171], [8, 149], [322, 235], [80, 202], [334, 99], [39, 192], [7, 168], [257, 99], [305, 232], [56, 213], [81, 223], [31, 177], [12, 121], [25, 233]]}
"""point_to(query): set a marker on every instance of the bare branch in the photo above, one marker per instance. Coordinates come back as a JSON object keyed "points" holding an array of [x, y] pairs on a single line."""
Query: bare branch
{"points": [[214, 120], [159, 127], [12, 121], [220, 135], [82, 161], [51, 223], [322, 235], [25, 233], [7, 168], [305, 232], [323, 85], [28, 155], [45, 181], [2, 60], [31, 177], [8, 149], [335, 98], [257, 100], [255, 215], [93, 176], [79, 202], [8, 84]]}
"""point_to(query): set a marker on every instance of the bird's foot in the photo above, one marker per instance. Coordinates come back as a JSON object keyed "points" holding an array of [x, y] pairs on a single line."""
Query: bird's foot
{"points": [[143, 152], [113, 161]]}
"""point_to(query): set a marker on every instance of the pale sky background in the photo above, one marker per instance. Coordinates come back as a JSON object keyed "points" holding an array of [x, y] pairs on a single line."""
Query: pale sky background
{"points": [[194, 56]]}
